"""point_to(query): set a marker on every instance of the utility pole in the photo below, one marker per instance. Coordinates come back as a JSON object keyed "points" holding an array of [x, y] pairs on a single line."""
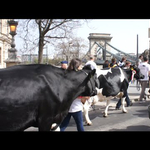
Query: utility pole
{"points": [[137, 52]]}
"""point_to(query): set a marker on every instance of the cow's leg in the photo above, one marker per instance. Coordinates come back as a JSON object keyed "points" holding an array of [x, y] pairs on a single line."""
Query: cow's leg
{"points": [[106, 109], [45, 123], [44, 127], [123, 106], [86, 107]]}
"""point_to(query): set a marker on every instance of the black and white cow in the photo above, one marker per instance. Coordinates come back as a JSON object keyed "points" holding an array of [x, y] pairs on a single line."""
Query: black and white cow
{"points": [[113, 83], [39, 95]]}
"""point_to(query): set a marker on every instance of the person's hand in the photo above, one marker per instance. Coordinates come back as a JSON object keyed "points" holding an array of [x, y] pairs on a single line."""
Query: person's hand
{"points": [[84, 98]]}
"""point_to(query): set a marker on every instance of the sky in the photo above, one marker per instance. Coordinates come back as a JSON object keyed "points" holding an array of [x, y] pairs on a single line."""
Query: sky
{"points": [[123, 31]]}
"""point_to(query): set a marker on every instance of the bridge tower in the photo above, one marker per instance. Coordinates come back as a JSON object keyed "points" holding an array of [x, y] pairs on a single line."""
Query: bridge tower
{"points": [[100, 38]]}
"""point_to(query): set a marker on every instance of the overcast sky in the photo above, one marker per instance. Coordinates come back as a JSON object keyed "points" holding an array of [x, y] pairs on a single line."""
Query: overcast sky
{"points": [[123, 31]]}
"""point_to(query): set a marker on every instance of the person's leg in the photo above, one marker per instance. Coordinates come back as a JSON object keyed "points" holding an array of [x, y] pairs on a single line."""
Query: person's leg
{"points": [[78, 117], [65, 122], [143, 85], [142, 93], [127, 98], [118, 104]]}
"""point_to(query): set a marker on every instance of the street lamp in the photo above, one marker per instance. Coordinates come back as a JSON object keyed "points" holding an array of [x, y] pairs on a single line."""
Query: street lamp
{"points": [[13, 26], [12, 56]]}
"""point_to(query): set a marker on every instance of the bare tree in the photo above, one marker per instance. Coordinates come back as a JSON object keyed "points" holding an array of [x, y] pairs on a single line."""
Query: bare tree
{"points": [[49, 30], [71, 48]]}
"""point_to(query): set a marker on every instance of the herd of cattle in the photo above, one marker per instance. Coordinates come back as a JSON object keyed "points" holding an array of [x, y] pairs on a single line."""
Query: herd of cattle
{"points": [[41, 95]]}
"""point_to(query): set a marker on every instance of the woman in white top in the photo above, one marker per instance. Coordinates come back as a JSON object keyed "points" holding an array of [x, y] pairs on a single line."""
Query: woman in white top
{"points": [[76, 107]]}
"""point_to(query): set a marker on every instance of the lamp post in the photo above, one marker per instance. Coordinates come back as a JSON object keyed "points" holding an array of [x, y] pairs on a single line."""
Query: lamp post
{"points": [[149, 43], [12, 56]]}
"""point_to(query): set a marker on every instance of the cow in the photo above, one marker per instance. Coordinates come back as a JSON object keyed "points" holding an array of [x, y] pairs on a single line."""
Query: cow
{"points": [[39, 95], [113, 83]]}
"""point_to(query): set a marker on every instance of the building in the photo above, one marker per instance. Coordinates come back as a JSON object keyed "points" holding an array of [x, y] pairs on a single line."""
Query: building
{"points": [[5, 41]]}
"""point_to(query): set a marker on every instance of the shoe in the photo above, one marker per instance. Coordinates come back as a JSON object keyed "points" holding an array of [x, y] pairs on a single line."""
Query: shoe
{"points": [[130, 104], [117, 108]]}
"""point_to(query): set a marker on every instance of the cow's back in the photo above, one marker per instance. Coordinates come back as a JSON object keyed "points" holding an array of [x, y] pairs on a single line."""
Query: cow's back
{"points": [[21, 91], [18, 102]]}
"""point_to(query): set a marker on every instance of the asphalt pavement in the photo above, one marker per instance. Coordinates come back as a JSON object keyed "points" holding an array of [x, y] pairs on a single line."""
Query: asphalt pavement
{"points": [[136, 119]]}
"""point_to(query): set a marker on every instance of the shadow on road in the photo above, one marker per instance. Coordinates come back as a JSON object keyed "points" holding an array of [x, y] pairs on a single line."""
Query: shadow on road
{"points": [[143, 112], [134, 128]]}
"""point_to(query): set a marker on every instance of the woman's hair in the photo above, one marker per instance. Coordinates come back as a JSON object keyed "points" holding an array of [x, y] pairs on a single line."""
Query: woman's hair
{"points": [[113, 60], [74, 64]]}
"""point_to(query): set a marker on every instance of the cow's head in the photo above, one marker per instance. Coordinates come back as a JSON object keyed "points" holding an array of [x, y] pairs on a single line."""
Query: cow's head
{"points": [[136, 71], [92, 82]]}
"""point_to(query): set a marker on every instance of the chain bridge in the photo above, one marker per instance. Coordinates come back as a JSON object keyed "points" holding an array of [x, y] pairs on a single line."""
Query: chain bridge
{"points": [[99, 45]]}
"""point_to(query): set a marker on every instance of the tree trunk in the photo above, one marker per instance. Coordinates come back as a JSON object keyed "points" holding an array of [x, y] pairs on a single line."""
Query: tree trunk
{"points": [[40, 53]]}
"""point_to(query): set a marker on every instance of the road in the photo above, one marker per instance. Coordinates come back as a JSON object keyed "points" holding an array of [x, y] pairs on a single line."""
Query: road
{"points": [[135, 120]]}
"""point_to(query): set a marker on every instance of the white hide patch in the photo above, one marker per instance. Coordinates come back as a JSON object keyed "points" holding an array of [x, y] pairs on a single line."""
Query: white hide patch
{"points": [[102, 72], [122, 77], [100, 96]]}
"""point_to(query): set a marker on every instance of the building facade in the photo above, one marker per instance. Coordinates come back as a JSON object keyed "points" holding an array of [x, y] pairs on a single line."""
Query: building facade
{"points": [[5, 41]]}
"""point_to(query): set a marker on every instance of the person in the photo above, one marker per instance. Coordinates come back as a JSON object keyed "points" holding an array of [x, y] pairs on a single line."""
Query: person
{"points": [[113, 63], [140, 60], [145, 70], [92, 63], [127, 65], [106, 63], [64, 64], [128, 101], [77, 106], [122, 62]]}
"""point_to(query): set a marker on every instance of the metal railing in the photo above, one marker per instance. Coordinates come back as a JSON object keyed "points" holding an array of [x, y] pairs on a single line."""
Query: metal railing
{"points": [[130, 58]]}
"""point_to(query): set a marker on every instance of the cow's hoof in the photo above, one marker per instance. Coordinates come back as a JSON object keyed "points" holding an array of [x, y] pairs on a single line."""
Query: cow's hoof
{"points": [[89, 124], [55, 127], [105, 116], [124, 111]]}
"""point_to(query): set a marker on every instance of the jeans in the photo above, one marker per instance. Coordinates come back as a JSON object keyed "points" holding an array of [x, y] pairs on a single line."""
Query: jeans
{"points": [[78, 117], [126, 99]]}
